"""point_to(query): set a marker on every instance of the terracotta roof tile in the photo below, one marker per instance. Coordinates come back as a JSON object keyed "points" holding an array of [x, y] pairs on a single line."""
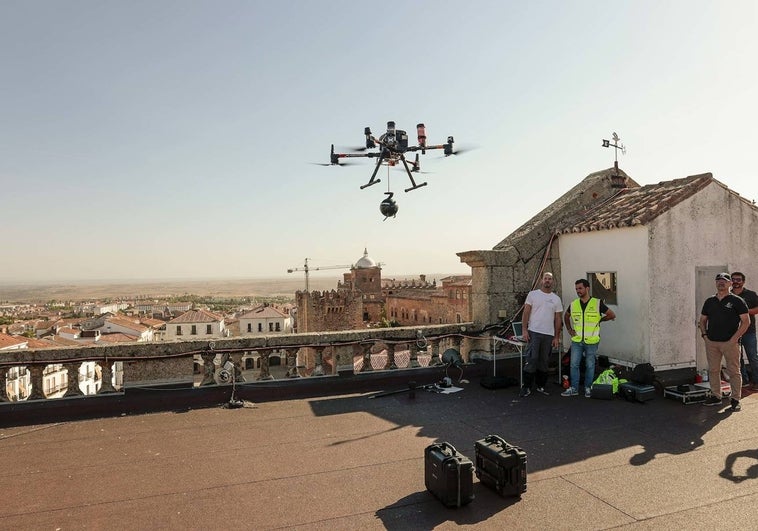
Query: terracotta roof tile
{"points": [[127, 323], [7, 341], [263, 312], [637, 206], [196, 316]]}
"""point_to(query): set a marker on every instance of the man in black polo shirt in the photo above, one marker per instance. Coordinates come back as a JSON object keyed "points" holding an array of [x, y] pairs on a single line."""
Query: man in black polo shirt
{"points": [[723, 320], [748, 339]]}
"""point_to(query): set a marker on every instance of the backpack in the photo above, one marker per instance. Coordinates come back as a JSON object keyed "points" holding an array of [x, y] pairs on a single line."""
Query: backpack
{"points": [[643, 373]]}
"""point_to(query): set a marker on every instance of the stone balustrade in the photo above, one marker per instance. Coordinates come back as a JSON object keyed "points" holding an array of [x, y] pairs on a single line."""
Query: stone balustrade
{"points": [[26, 374]]}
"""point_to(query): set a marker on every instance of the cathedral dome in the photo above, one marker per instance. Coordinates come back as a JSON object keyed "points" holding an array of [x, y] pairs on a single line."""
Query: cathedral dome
{"points": [[365, 262]]}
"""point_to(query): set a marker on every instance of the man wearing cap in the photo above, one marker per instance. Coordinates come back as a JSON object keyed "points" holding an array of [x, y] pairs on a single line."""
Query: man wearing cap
{"points": [[748, 339], [723, 320]]}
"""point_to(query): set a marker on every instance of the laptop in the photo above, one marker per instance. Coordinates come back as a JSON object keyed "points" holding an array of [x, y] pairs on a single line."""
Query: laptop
{"points": [[518, 331]]}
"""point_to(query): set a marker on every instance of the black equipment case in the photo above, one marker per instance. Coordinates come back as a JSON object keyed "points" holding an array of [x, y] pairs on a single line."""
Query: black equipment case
{"points": [[448, 475], [636, 392], [602, 391], [501, 466]]}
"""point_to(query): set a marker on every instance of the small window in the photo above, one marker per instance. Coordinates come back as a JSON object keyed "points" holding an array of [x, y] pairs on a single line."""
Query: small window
{"points": [[178, 330], [260, 327], [209, 329], [271, 327], [278, 327], [194, 330], [603, 286], [249, 327]]}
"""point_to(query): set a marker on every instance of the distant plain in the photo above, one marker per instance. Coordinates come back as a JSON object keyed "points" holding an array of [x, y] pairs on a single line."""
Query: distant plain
{"points": [[38, 292]]}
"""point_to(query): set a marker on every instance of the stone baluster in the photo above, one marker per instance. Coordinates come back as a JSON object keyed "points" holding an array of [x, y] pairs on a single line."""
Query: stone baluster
{"points": [[106, 375], [390, 357], [318, 369], [3, 384], [292, 362], [236, 359], [434, 345], [414, 349], [72, 376], [209, 368], [265, 373], [456, 342], [364, 349], [37, 377]]}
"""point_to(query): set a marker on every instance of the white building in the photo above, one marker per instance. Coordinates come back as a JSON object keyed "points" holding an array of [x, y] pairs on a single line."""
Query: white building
{"points": [[195, 324], [265, 320], [652, 254], [126, 326]]}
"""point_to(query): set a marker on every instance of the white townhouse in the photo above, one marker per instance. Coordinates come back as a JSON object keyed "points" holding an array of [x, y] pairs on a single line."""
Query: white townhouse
{"points": [[263, 320], [128, 327], [195, 324]]}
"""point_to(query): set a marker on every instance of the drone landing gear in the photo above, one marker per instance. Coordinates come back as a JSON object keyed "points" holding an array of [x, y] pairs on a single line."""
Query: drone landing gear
{"points": [[410, 176], [373, 179]]}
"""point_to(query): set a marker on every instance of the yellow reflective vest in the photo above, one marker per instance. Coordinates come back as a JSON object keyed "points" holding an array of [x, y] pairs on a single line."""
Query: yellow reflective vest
{"points": [[586, 323]]}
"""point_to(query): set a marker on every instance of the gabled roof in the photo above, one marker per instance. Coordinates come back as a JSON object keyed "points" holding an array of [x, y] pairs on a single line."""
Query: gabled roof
{"points": [[39, 343], [8, 342], [263, 312], [154, 323], [196, 316], [126, 323], [637, 206], [594, 189], [117, 337]]}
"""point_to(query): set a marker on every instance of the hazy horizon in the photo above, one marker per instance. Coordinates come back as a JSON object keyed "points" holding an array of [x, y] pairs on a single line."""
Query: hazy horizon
{"points": [[38, 292]]}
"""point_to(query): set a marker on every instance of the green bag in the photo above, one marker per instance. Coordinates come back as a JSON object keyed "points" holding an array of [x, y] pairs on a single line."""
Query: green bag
{"points": [[608, 377]]}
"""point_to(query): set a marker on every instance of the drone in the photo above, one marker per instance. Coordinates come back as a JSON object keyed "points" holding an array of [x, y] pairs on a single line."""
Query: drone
{"points": [[392, 147]]}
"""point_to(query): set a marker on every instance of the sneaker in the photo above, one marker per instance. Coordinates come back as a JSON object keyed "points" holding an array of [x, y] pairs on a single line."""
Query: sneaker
{"points": [[712, 401], [569, 392], [735, 404], [525, 391], [587, 392], [542, 391]]}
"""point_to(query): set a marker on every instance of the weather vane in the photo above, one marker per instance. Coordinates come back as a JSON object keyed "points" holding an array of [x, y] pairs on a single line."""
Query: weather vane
{"points": [[617, 181]]}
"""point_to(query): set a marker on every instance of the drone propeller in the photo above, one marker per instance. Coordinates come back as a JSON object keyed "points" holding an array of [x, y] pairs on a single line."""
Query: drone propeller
{"points": [[461, 151], [335, 164]]}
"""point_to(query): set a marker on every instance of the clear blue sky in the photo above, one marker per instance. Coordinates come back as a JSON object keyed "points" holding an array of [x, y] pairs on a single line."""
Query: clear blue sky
{"points": [[172, 139]]}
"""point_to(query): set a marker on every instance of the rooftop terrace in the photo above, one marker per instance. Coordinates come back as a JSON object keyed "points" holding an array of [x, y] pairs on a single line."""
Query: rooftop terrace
{"points": [[346, 461]]}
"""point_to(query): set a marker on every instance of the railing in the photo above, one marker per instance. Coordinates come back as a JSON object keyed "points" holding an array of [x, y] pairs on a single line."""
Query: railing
{"points": [[205, 363]]}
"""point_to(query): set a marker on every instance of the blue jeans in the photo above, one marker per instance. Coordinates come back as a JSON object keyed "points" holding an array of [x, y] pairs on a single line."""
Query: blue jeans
{"points": [[749, 344], [590, 354]]}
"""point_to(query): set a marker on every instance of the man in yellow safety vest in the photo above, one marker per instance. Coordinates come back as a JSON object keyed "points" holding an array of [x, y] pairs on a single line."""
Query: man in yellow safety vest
{"points": [[582, 319]]}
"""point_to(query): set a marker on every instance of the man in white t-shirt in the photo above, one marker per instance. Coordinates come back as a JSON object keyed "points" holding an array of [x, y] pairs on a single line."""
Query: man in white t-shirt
{"points": [[542, 331]]}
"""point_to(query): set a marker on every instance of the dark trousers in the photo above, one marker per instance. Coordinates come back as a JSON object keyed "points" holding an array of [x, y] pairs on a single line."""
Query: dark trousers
{"points": [[536, 359]]}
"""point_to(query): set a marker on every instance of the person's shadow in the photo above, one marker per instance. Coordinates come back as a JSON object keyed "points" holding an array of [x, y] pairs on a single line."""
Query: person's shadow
{"points": [[683, 434], [731, 459]]}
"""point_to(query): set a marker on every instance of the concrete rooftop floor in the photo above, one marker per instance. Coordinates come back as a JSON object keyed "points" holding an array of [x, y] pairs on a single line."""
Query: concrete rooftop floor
{"points": [[350, 462]]}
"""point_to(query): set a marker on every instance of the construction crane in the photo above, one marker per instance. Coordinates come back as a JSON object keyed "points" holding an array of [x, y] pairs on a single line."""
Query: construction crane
{"points": [[307, 269]]}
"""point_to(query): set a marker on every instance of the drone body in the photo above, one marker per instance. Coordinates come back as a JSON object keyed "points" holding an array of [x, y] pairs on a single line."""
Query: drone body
{"points": [[391, 148]]}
